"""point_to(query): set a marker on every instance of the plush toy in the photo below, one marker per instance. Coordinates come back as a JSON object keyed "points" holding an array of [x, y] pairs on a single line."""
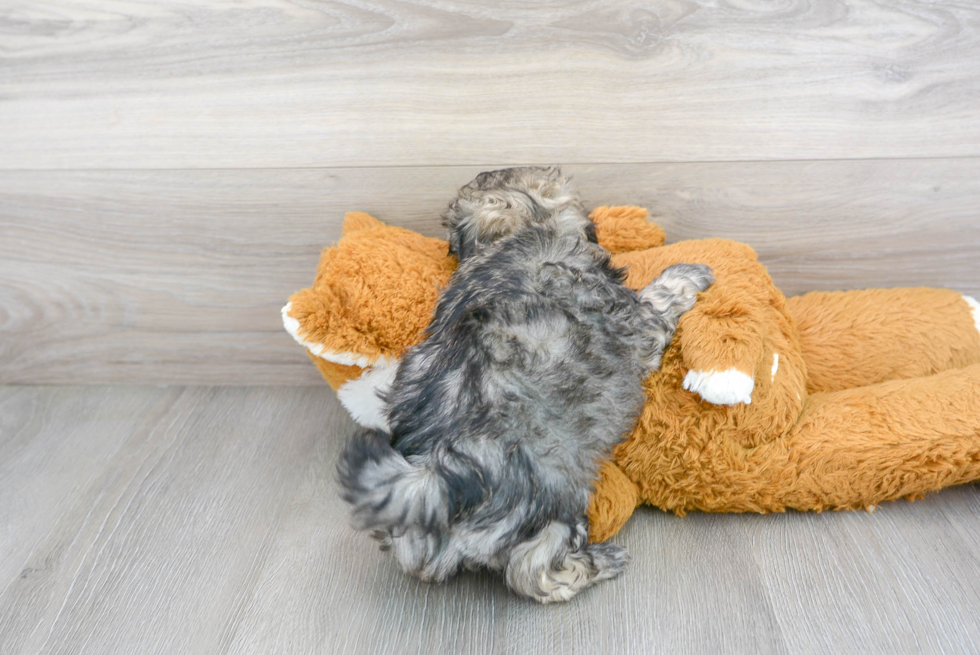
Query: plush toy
{"points": [[823, 401]]}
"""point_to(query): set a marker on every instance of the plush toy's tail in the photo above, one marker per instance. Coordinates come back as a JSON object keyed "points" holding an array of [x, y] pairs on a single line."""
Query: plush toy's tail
{"points": [[386, 491]]}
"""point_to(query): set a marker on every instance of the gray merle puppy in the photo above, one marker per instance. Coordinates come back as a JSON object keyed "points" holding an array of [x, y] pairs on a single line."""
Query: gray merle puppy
{"points": [[531, 371]]}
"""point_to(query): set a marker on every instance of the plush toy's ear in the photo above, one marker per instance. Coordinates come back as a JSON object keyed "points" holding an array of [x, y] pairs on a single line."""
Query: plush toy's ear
{"points": [[625, 229], [357, 221]]}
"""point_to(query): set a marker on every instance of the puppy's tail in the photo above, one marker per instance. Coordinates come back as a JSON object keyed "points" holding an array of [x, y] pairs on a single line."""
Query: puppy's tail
{"points": [[386, 491]]}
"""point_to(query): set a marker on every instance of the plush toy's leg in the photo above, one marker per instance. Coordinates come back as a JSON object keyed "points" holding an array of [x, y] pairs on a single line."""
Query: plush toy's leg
{"points": [[723, 345], [853, 338], [612, 502], [860, 447], [723, 336]]}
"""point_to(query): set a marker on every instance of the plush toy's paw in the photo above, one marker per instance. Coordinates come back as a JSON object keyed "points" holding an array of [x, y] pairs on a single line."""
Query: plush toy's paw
{"points": [[729, 387]]}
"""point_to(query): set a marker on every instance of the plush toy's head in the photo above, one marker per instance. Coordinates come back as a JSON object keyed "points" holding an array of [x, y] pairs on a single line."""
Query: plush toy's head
{"points": [[372, 298]]}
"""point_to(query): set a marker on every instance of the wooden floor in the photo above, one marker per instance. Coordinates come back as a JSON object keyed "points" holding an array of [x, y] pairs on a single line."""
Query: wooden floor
{"points": [[206, 520], [170, 170]]}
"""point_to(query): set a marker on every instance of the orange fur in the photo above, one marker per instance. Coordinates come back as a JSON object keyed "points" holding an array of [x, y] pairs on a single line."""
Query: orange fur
{"points": [[876, 395]]}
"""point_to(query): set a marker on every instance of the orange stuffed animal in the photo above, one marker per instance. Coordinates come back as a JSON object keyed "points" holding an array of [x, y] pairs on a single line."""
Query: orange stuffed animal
{"points": [[828, 400]]}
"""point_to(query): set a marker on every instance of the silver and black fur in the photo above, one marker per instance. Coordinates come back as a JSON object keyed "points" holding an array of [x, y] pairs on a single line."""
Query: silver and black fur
{"points": [[530, 373]]}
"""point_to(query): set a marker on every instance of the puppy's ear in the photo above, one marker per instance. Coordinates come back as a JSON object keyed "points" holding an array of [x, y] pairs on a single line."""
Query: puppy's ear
{"points": [[554, 174], [452, 219], [486, 179], [590, 232], [456, 232], [455, 244]]}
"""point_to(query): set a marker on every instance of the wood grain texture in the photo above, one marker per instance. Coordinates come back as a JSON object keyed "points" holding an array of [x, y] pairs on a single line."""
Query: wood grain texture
{"points": [[178, 276], [53, 446], [160, 549], [284, 83], [209, 522], [897, 601]]}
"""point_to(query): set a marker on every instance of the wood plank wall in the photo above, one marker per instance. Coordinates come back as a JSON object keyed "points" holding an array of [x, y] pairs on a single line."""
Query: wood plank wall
{"points": [[170, 170]]}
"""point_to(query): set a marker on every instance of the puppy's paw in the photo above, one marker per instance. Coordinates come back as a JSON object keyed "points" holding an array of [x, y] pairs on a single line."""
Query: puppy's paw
{"points": [[579, 570], [609, 560], [730, 387], [557, 563], [696, 277], [383, 537], [678, 286]]}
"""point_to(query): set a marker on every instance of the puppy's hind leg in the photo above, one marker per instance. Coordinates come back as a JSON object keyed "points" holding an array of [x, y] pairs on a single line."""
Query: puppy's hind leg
{"points": [[559, 562], [665, 300]]}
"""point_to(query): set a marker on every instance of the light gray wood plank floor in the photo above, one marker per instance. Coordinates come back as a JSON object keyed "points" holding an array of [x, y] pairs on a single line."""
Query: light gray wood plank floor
{"points": [[206, 520]]}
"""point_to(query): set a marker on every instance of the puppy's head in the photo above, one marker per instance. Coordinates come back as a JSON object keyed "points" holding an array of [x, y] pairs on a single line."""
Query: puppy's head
{"points": [[499, 203]]}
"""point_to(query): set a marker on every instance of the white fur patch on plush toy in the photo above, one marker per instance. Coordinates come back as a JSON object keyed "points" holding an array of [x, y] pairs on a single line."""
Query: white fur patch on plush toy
{"points": [[361, 397], [721, 387], [975, 309]]}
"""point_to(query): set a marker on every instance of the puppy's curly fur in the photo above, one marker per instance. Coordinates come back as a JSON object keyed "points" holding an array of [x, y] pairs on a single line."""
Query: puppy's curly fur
{"points": [[530, 373]]}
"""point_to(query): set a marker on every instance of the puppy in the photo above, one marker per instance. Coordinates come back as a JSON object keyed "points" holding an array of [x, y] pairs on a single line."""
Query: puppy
{"points": [[530, 373]]}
